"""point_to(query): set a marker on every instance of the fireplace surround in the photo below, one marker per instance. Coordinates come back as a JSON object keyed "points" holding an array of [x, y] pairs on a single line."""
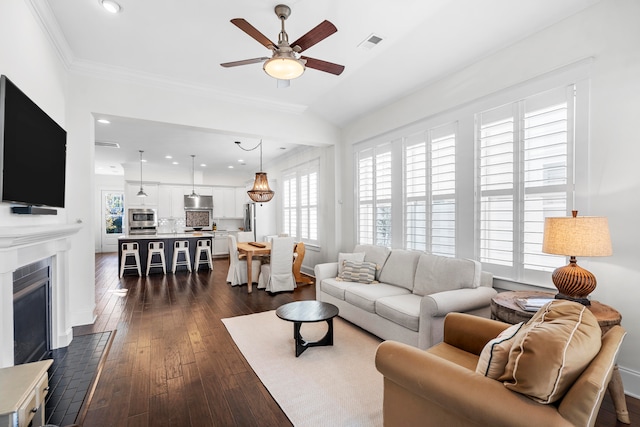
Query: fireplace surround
{"points": [[20, 246]]}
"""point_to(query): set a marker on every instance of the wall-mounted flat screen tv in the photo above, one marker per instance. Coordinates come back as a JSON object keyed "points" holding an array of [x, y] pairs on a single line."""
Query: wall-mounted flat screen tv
{"points": [[33, 151]]}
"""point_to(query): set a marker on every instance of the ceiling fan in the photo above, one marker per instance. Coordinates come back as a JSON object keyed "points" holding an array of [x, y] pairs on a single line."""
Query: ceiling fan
{"points": [[286, 63]]}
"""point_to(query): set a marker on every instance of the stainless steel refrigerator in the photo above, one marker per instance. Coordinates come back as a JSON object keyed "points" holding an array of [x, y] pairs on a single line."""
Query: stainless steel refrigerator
{"points": [[250, 218]]}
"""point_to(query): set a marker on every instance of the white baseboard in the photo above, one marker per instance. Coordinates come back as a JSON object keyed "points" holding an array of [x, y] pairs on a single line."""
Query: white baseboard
{"points": [[83, 317], [631, 381]]}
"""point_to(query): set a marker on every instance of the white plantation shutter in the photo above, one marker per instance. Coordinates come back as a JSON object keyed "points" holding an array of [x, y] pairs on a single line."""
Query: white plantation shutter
{"points": [[429, 187], [374, 195], [525, 158], [290, 204], [300, 205]]}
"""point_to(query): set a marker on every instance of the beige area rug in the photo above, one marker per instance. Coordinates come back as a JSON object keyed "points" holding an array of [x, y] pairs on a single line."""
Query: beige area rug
{"points": [[326, 386]]}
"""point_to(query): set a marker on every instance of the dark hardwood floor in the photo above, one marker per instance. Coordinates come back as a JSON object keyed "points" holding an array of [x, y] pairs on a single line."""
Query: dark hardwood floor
{"points": [[172, 362]]}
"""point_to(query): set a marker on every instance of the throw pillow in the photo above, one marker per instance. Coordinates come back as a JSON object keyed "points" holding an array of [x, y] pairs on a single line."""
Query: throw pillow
{"points": [[550, 352], [495, 354], [342, 257], [361, 272]]}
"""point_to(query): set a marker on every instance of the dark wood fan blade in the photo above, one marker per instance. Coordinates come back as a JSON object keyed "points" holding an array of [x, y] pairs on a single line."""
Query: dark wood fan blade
{"points": [[253, 32], [315, 35], [244, 62], [328, 67]]}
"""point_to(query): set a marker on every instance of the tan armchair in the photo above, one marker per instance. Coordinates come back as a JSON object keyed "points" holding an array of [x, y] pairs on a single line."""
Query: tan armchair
{"points": [[439, 386]]}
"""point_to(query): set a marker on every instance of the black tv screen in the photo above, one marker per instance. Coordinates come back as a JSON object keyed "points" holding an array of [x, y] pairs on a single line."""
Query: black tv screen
{"points": [[33, 151]]}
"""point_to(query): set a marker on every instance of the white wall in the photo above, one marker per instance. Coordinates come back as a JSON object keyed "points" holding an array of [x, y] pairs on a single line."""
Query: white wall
{"points": [[608, 32]]}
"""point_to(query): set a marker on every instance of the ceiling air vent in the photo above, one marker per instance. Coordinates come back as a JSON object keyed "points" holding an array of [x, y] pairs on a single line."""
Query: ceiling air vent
{"points": [[107, 144], [370, 42]]}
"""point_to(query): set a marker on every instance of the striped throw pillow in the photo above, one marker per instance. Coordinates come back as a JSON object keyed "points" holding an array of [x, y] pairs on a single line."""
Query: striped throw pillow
{"points": [[361, 272]]}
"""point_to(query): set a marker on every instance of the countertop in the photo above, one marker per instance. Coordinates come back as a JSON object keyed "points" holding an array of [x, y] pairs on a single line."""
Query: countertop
{"points": [[165, 236]]}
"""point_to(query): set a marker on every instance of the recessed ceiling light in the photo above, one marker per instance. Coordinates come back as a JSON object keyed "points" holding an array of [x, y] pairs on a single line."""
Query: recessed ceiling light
{"points": [[104, 121], [230, 166], [111, 6], [175, 163], [203, 165], [240, 161], [168, 157], [144, 160]]}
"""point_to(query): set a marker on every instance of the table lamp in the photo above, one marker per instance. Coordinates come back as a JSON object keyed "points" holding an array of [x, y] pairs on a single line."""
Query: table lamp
{"points": [[576, 236]]}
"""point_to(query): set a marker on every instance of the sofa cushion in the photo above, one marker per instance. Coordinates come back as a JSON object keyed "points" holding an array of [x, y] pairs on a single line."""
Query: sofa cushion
{"points": [[373, 253], [354, 256], [401, 309], [438, 273], [400, 268], [365, 296], [361, 272], [495, 354], [551, 351], [335, 287]]}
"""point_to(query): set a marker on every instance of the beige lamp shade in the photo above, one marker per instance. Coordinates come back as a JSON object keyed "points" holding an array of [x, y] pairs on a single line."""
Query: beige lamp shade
{"points": [[576, 236], [579, 236]]}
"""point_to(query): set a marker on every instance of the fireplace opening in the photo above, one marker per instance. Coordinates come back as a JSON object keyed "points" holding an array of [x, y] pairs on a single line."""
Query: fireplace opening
{"points": [[32, 312]]}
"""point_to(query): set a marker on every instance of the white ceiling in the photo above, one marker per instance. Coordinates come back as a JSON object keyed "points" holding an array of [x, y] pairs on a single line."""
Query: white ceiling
{"points": [[185, 41]]}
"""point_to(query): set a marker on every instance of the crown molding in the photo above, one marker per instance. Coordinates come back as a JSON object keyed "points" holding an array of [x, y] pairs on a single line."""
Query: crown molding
{"points": [[49, 25]]}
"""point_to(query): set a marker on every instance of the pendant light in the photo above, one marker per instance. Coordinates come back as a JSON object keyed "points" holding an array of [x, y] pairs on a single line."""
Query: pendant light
{"points": [[141, 193], [193, 194], [260, 192]]}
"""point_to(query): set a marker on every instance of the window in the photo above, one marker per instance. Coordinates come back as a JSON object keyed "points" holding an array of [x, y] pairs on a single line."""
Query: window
{"points": [[300, 202], [374, 195], [478, 180], [525, 156], [114, 212], [429, 188]]}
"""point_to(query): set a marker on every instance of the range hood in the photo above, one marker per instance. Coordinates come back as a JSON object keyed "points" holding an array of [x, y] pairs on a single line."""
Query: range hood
{"points": [[202, 202]]}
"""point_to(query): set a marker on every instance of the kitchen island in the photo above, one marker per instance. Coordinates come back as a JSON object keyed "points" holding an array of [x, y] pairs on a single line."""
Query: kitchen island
{"points": [[168, 240]]}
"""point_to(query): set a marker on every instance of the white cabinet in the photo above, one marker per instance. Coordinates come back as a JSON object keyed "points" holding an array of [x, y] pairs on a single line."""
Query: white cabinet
{"points": [[220, 244], [241, 198], [224, 203], [132, 200], [171, 201]]}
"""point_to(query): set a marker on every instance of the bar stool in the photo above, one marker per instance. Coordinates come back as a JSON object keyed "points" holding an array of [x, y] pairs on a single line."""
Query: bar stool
{"points": [[204, 246], [156, 248], [130, 249], [181, 246]]}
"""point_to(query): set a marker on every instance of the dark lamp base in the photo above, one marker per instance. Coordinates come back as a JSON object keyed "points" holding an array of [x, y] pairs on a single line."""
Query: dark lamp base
{"points": [[583, 301]]}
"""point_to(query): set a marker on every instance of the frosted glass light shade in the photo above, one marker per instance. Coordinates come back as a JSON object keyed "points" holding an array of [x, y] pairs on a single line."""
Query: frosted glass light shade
{"points": [[284, 68]]}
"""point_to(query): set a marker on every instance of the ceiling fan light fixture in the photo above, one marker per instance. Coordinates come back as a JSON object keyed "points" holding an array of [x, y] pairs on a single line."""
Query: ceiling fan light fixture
{"points": [[284, 68], [111, 6]]}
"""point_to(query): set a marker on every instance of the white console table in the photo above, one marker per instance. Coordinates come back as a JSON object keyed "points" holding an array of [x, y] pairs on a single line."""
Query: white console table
{"points": [[22, 392]]}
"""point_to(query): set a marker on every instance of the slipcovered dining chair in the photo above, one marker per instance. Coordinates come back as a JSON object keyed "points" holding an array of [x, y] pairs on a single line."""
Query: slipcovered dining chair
{"points": [[277, 276], [237, 274]]}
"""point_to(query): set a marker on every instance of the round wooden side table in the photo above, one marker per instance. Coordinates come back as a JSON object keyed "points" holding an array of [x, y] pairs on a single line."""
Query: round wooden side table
{"points": [[505, 309]]}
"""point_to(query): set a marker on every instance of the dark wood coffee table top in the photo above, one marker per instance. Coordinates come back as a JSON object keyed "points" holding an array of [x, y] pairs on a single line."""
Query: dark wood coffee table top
{"points": [[307, 311]]}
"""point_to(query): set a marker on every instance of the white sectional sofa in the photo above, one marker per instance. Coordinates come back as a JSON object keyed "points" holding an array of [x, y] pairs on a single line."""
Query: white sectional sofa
{"points": [[413, 293]]}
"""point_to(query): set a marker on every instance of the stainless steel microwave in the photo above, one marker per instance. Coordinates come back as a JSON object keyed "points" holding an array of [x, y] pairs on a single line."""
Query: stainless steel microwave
{"points": [[142, 221]]}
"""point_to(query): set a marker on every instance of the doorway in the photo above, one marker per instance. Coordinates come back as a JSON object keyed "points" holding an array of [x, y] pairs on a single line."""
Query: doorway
{"points": [[112, 220]]}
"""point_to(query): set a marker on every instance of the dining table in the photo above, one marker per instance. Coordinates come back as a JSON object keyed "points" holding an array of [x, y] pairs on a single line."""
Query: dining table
{"points": [[251, 249]]}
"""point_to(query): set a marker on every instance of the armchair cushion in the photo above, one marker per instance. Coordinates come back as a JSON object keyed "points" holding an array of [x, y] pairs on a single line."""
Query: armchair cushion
{"points": [[552, 350], [495, 354]]}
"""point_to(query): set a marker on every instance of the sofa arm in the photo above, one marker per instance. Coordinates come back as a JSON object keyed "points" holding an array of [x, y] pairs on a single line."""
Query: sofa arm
{"points": [[324, 271], [459, 300], [423, 389], [434, 307]]}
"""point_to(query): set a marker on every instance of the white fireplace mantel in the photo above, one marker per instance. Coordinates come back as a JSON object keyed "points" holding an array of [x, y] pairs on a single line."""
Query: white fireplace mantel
{"points": [[21, 246]]}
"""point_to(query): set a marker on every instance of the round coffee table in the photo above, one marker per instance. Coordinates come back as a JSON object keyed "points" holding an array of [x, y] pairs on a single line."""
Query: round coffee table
{"points": [[300, 312]]}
